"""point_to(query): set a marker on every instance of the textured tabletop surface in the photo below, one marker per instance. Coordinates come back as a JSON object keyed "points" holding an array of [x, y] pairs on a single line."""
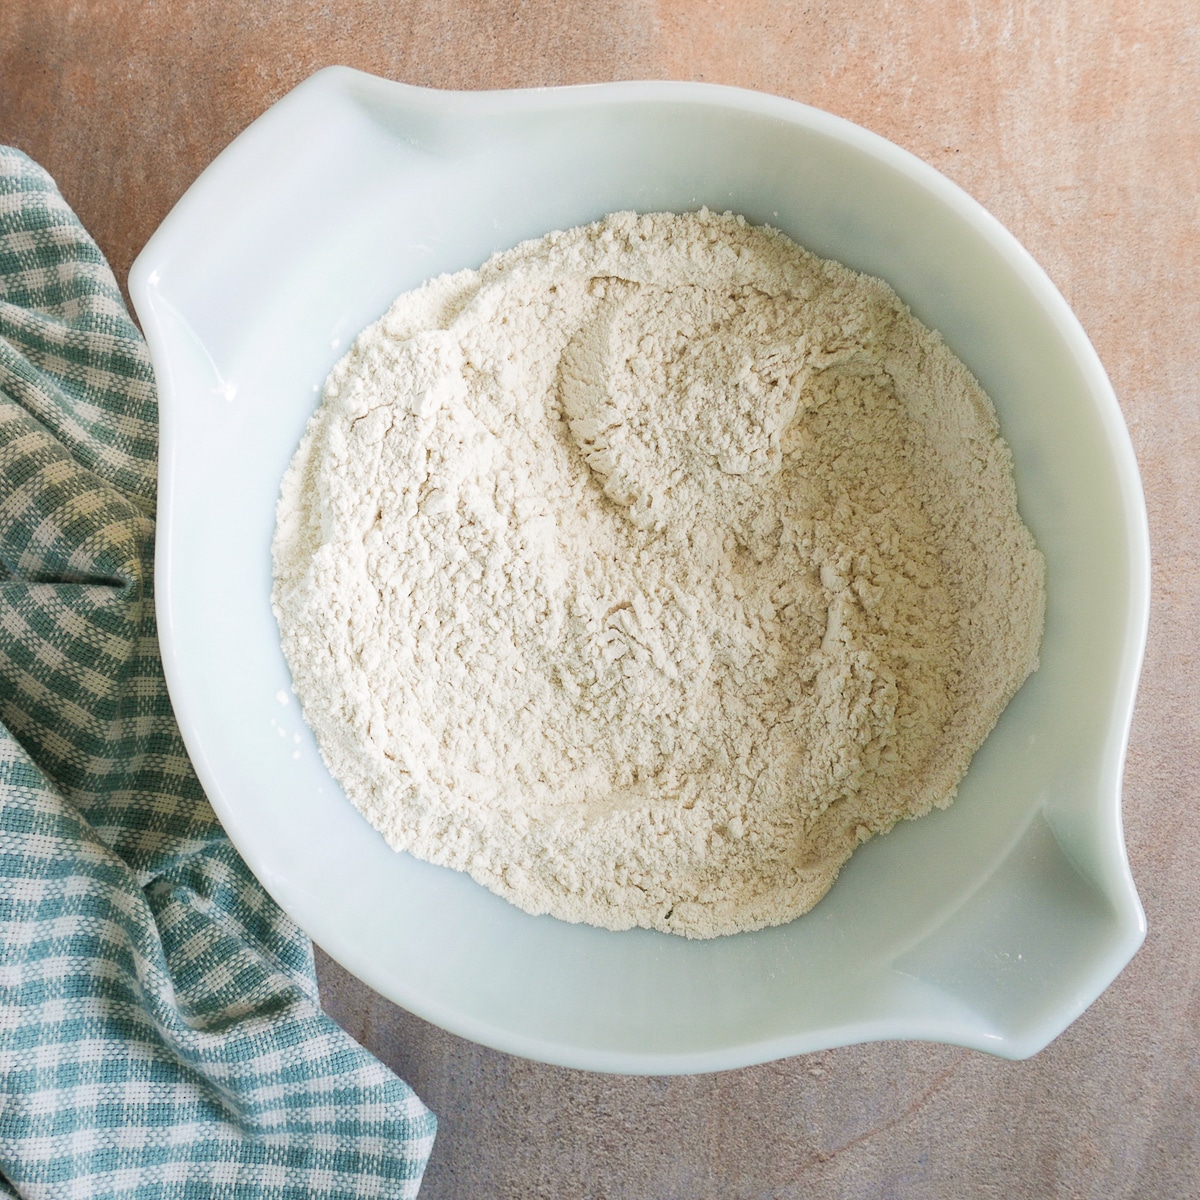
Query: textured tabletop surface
{"points": [[1077, 123]]}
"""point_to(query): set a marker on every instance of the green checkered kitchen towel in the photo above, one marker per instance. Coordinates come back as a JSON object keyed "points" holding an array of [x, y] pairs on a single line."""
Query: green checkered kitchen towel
{"points": [[160, 1033]]}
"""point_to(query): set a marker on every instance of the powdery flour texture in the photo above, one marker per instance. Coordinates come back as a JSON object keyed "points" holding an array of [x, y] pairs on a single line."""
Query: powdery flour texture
{"points": [[648, 570]]}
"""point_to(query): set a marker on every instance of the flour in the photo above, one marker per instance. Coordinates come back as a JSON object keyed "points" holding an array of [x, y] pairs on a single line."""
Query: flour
{"points": [[648, 570]]}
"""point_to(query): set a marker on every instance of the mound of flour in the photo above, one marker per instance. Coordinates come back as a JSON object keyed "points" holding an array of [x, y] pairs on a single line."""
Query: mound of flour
{"points": [[648, 570]]}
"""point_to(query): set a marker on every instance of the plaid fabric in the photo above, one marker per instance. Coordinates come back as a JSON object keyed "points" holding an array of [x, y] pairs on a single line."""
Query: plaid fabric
{"points": [[160, 1033]]}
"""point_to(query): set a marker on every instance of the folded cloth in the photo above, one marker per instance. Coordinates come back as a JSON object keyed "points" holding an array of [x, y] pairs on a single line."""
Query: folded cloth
{"points": [[160, 1032]]}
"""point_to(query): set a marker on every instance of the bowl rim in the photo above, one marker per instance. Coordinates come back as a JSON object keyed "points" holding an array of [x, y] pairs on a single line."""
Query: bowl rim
{"points": [[143, 279]]}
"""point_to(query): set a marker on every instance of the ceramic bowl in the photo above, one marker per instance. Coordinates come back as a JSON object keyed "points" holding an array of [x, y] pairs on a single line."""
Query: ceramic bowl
{"points": [[993, 924]]}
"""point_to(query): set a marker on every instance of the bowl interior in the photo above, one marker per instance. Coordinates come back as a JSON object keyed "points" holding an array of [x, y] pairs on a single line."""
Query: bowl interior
{"points": [[992, 924]]}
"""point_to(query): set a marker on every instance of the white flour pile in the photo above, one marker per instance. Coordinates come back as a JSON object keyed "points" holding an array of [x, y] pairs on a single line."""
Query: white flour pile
{"points": [[646, 571]]}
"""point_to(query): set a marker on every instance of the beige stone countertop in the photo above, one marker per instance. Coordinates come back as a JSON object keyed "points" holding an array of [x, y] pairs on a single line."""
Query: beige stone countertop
{"points": [[1077, 123]]}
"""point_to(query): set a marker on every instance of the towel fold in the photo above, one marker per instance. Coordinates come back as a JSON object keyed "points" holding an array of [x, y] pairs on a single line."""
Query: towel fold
{"points": [[160, 1031]]}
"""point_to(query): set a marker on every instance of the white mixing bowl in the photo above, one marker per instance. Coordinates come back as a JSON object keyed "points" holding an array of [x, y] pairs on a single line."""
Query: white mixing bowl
{"points": [[993, 924]]}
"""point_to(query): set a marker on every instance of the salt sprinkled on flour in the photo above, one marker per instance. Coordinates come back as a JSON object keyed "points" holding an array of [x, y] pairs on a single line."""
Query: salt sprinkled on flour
{"points": [[646, 571]]}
